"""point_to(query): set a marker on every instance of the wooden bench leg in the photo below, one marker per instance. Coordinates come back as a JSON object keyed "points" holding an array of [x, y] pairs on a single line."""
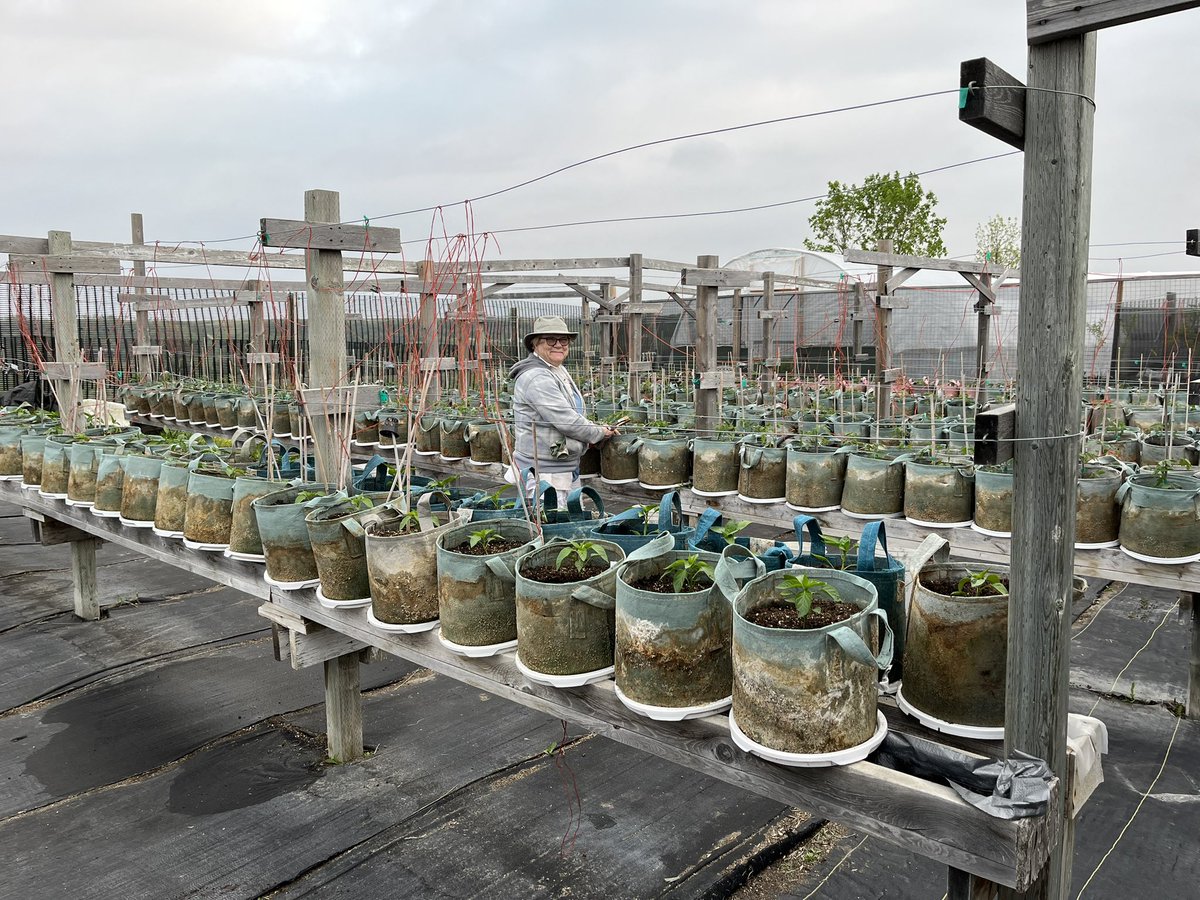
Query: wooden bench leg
{"points": [[962, 885], [343, 708], [83, 579]]}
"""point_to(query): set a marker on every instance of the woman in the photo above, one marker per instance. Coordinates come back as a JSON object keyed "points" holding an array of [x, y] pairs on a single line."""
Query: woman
{"points": [[551, 431]]}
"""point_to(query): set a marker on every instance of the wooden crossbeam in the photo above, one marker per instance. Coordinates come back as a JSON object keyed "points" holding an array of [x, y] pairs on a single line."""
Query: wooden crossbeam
{"points": [[85, 371], [70, 264], [898, 260], [728, 278], [157, 302], [322, 401], [300, 235], [589, 294], [1051, 20], [995, 102], [682, 305]]}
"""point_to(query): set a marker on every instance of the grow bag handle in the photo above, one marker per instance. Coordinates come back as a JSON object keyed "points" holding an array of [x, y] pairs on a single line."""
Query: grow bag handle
{"points": [[504, 567], [326, 500], [575, 500], [1121, 492], [436, 422], [776, 558], [872, 532], [670, 509], [207, 456], [751, 456], [854, 647], [902, 458], [455, 424], [470, 432], [633, 446], [241, 433], [592, 597], [802, 522], [195, 439], [660, 545], [707, 520], [746, 567]]}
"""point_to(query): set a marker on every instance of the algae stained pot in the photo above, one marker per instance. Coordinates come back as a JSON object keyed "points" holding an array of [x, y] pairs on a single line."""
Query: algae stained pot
{"points": [[763, 474], [285, 541], [485, 442], [477, 595], [428, 437], [815, 477], [139, 490], [452, 438], [56, 466], [939, 493], [874, 486], [808, 696], [244, 541], [32, 446], [565, 632], [1097, 512], [170, 508], [715, 467], [664, 463], [956, 656], [208, 514], [672, 654], [110, 483], [83, 459], [339, 546], [619, 459], [402, 569], [1160, 518], [993, 500]]}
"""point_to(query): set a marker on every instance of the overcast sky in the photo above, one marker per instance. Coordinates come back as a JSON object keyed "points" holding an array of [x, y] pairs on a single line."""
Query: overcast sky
{"points": [[206, 116]]}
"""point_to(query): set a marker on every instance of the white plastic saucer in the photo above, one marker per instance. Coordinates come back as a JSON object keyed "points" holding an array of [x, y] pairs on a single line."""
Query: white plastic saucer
{"points": [[990, 533], [12, 477], [228, 427], [746, 499], [106, 513], [1099, 545], [286, 434], [811, 760], [925, 524], [854, 515], [811, 509], [193, 545], [452, 458], [700, 493], [134, 524], [564, 681], [661, 487], [341, 604], [291, 585], [1162, 560], [401, 629], [169, 419], [979, 732], [476, 652], [166, 534], [427, 452], [41, 493], [357, 443], [617, 480], [589, 476], [157, 416], [30, 487], [81, 503], [482, 464], [244, 557], [675, 713]]}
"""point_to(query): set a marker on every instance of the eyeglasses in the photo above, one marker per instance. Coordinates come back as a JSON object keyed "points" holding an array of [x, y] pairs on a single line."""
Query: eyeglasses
{"points": [[557, 341]]}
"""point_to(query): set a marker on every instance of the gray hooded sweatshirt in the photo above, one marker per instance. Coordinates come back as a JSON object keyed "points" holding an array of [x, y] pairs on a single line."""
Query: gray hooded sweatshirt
{"points": [[548, 407]]}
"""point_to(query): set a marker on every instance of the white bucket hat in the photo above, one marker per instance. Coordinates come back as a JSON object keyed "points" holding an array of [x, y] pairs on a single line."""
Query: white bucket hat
{"points": [[548, 325]]}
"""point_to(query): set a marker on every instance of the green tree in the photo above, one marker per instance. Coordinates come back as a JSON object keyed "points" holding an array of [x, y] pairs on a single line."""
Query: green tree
{"points": [[891, 207], [998, 240]]}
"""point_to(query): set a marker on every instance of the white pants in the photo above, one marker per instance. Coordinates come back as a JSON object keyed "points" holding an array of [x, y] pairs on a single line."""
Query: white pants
{"points": [[562, 482]]}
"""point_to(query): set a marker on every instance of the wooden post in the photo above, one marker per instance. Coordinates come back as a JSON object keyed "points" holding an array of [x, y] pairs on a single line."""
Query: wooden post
{"points": [[608, 336], [736, 350], [633, 328], [141, 317], [962, 885], [258, 341], [585, 331], [1115, 354], [706, 350], [83, 579], [983, 313], [883, 321], [1054, 242], [343, 708], [66, 328], [514, 323], [326, 336], [430, 347], [767, 314]]}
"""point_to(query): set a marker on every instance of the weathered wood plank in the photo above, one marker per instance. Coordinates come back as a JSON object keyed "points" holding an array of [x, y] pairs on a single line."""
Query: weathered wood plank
{"points": [[1193, 704], [995, 101], [726, 278], [1051, 20], [66, 264], [90, 371], [284, 618], [927, 818], [901, 261], [83, 579], [300, 235], [318, 644], [343, 708]]}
